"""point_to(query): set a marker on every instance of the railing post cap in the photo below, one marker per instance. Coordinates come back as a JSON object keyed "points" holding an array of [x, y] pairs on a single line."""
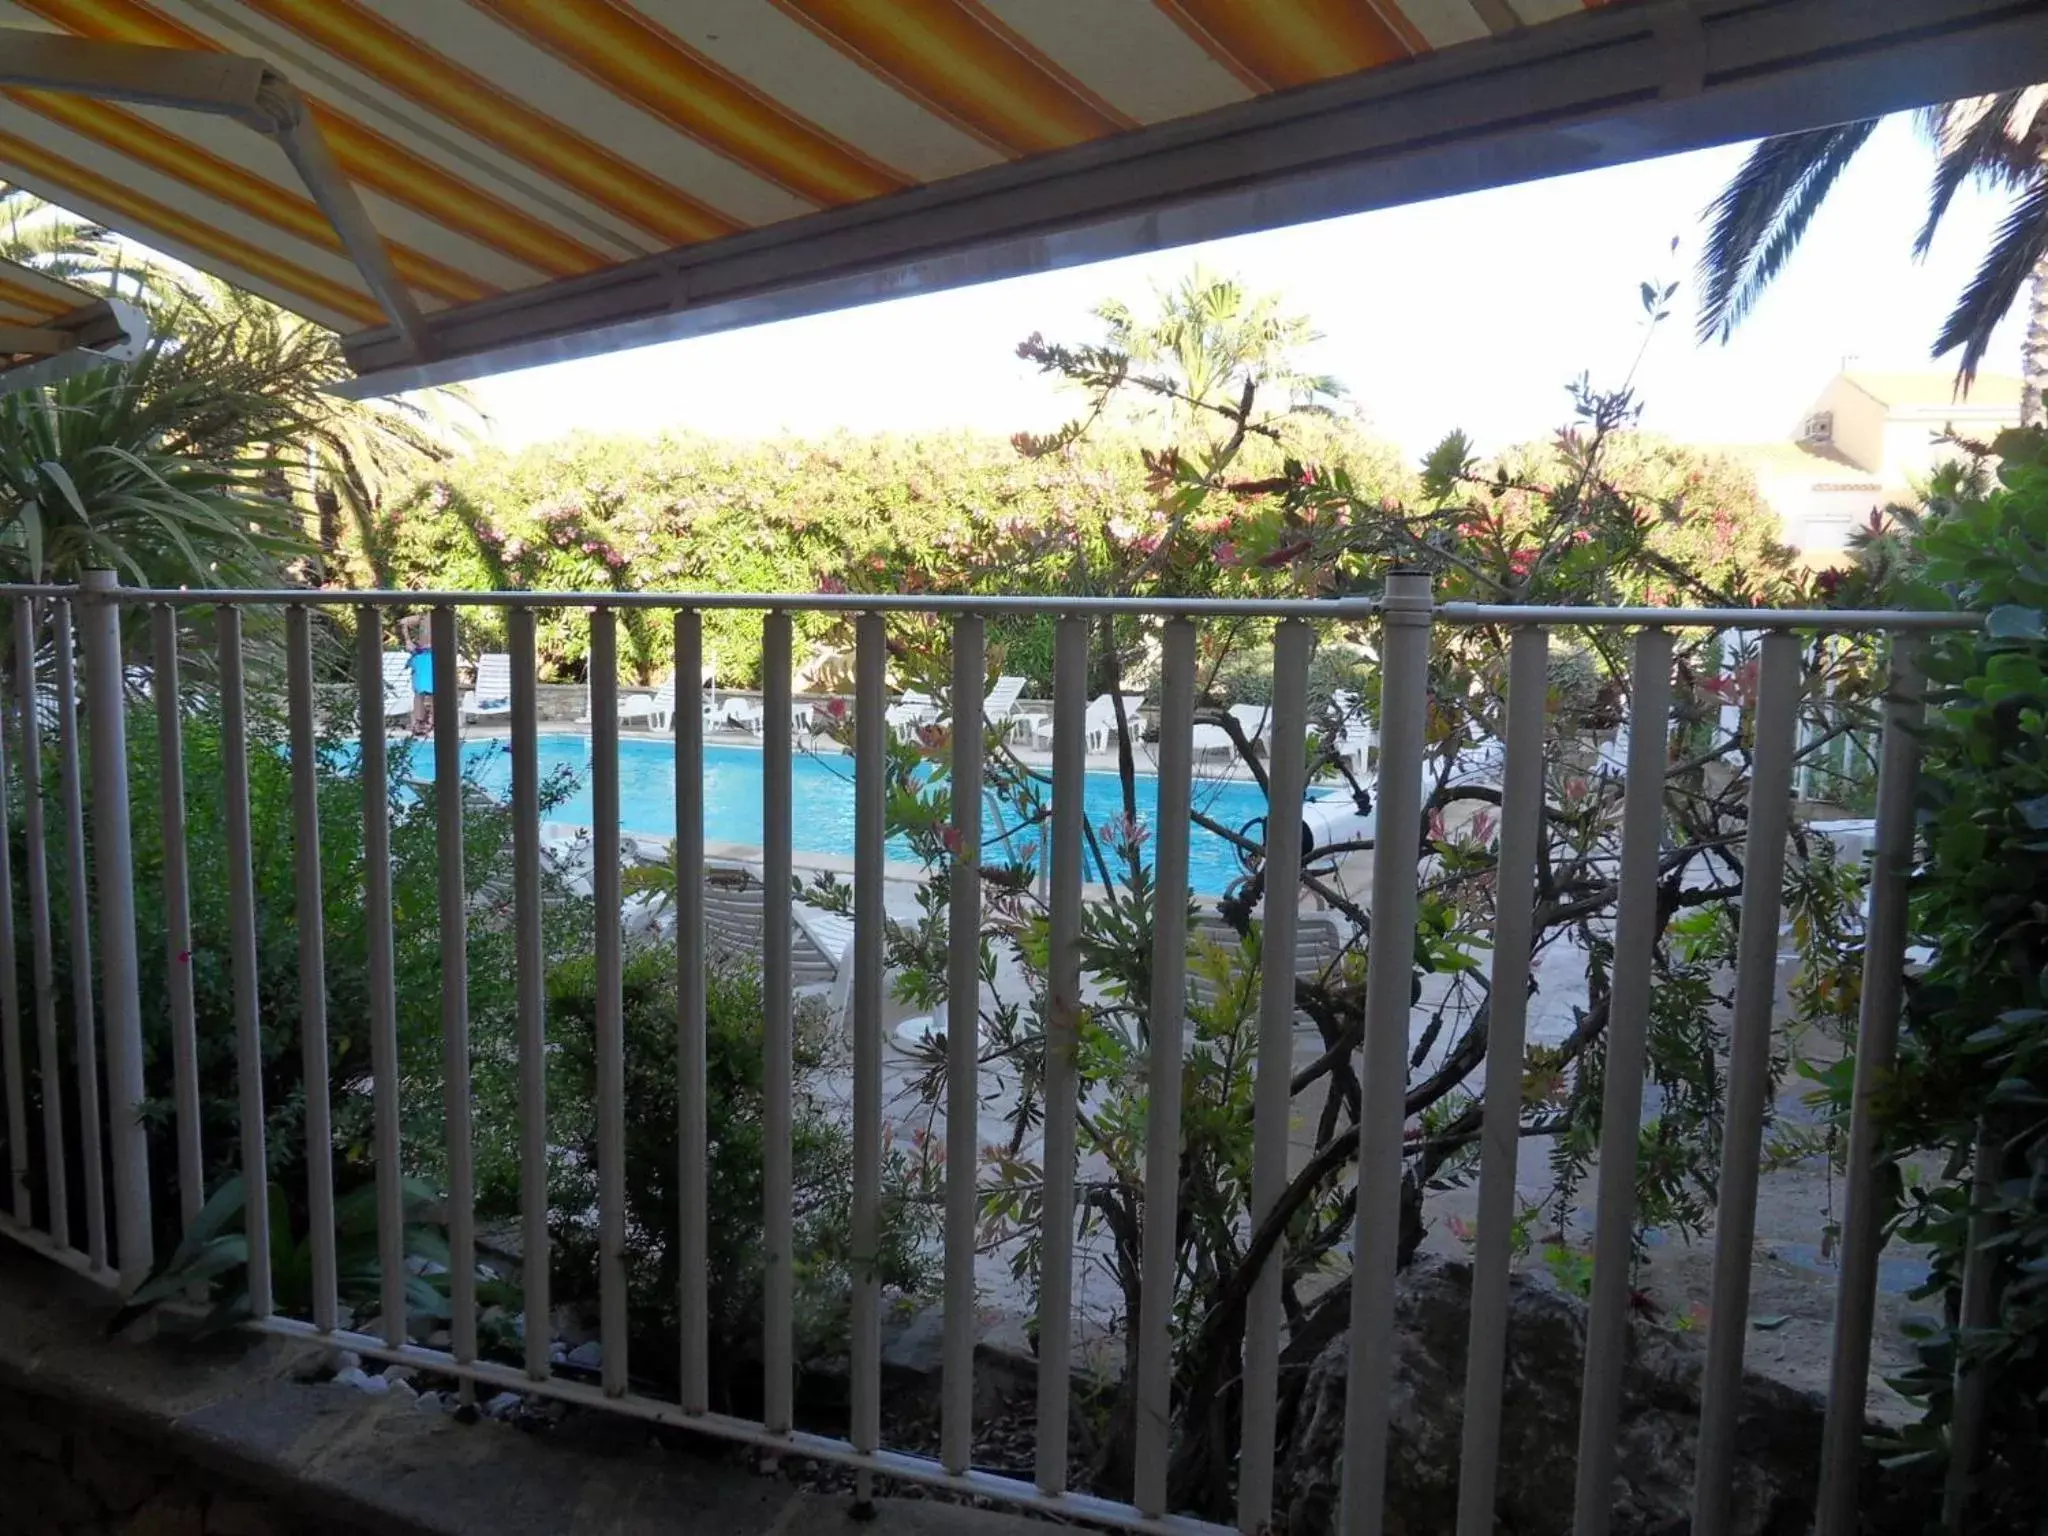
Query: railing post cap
{"points": [[1407, 594], [98, 581]]}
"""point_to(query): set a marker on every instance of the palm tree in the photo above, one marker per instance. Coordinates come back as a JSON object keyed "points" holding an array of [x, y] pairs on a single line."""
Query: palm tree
{"points": [[1209, 342], [2001, 140], [270, 370], [1209, 367]]}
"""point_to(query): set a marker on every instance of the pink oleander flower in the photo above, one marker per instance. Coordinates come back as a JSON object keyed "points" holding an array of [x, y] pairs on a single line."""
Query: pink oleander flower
{"points": [[1124, 832]]}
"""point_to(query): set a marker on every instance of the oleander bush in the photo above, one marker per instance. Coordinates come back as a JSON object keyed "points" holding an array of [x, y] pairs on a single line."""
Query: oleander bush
{"points": [[943, 513]]}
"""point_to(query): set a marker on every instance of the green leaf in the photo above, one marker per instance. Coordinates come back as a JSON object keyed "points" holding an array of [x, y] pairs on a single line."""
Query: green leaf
{"points": [[2034, 812], [60, 477], [2011, 621], [224, 1203], [217, 1257]]}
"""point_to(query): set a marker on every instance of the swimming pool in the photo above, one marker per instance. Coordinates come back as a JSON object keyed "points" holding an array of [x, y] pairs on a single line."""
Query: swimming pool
{"points": [[823, 797]]}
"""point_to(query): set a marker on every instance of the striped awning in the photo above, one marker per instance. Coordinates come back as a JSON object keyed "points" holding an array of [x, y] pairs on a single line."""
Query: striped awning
{"points": [[30, 299], [49, 328], [509, 149]]}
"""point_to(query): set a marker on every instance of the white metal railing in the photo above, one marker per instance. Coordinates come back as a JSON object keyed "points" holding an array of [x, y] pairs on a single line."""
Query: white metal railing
{"points": [[124, 1255]]}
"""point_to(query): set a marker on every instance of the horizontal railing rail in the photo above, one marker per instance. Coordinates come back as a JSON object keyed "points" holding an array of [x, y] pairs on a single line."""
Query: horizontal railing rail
{"points": [[116, 1243], [1356, 608]]}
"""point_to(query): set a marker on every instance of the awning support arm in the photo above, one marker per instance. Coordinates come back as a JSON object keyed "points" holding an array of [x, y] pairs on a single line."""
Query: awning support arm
{"points": [[34, 340], [228, 85]]}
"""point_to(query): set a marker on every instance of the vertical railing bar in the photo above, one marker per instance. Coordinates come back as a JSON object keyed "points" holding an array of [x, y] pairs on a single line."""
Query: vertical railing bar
{"points": [[170, 738], [85, 1018], [310, 920], [242, 957], [1976, 1311], [1062, 1036], [454, 935], [49, 1067], [1877, 1034], [1404, 705], [1507, 1007], [692, 1045], [1265, 1316], [532, 990], [606, 853], [1621, 1105], [13, 1063], [963, 1046], [383, 964], [870, 927], [1167, 1025], [113, 848], [777, 1024], [1749, 1068]]}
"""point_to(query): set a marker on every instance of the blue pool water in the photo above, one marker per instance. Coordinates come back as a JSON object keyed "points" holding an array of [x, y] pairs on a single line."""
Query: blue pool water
{"points": [[823, 803]]}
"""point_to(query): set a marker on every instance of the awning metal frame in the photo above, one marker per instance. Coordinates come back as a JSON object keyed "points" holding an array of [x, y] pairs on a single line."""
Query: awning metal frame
{"points": [[229, 85], [103, 331]]}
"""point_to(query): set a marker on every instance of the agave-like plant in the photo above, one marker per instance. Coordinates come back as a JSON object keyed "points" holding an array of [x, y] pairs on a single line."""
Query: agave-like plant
{"points": [[159, 478]]}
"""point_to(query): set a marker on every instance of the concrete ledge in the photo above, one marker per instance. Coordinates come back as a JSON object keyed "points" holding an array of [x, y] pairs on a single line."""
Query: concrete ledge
{"points": [[286, 1455]]}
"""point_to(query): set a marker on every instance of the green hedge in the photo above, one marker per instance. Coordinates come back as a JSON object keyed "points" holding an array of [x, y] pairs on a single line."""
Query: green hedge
{"points": [[940, 513], [683, 513]]}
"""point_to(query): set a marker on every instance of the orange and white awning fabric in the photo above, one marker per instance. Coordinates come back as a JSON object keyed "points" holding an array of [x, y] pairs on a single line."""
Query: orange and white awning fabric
{"points": [[30, 300], [596, 153]]}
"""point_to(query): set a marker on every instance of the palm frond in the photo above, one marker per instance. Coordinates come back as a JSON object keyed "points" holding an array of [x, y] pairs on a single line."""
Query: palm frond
{"points": [[2017, 250], [1760, 216], [1984, 139]]}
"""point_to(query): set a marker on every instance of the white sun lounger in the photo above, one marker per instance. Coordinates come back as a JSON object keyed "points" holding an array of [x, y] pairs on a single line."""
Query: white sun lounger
{"points": [[397, 684], [1317, 946], [492, 696], [735, 906]]}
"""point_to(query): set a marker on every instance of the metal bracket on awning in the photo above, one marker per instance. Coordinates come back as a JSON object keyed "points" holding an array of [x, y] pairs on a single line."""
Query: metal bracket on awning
{"points": [[229, 85], [104, 331]]}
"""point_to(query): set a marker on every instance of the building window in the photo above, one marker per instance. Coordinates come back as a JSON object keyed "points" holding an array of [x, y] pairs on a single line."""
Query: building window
{"points": [[1819, 428]]}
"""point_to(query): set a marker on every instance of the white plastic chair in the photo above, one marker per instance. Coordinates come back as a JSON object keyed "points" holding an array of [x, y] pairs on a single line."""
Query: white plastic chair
{"points": [[657, 708], [1255, 719], [740, 714], [912, 710], [492, 696], [1099, 720], [1354, 733]]}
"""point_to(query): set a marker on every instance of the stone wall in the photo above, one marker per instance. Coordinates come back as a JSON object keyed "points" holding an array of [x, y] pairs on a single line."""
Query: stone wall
{"points": [[240, 1434], [64, 1475]]}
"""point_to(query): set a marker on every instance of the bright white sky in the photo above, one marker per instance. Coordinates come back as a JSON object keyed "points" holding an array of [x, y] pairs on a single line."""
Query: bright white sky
{"points": [[1470, 312]]}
